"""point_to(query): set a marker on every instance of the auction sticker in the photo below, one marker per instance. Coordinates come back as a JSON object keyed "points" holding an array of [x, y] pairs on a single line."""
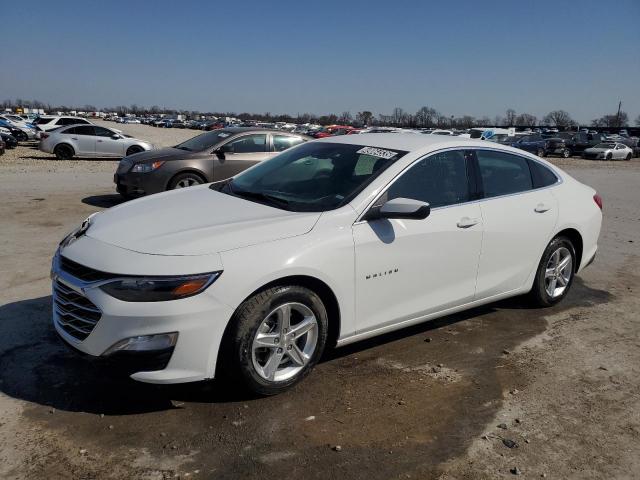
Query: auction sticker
{"points": [[377, 152]]}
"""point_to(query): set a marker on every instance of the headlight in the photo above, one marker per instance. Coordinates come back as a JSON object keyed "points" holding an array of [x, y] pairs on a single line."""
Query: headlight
{"points": [[158, 289], [146, 167]]}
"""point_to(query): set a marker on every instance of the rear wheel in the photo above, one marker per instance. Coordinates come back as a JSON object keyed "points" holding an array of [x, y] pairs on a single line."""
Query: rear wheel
{"points": [[609, 156], [276, 338], [63, 152], [184, 180], [566, 153], [134, 149], [554, 276]]}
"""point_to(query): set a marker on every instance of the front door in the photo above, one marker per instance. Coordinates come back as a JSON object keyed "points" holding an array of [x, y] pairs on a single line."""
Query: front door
{"points": [[406, 269], [107, 145], [85, 140], [239, 154]]}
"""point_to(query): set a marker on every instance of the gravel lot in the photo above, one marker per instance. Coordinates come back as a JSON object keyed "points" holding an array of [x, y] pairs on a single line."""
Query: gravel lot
{"points": [[564, 381]]}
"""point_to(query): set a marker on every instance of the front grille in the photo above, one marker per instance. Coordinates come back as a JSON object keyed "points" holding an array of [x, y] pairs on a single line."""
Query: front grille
{"points": [[76, 314], [83, 273]]}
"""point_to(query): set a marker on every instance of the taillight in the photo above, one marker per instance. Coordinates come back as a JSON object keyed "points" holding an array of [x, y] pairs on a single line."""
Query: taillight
{"points": [[598, 199]]}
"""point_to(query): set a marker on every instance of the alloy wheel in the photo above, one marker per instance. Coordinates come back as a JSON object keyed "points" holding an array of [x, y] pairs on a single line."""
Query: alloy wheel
{"points": [[558, 272], [187, 182], [285, 342]]}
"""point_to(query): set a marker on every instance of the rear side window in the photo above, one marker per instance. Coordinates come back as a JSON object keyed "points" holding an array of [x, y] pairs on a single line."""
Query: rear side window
{"points": [[503, 173], [541, 175], [249, 144], [439, 180], [85, 130], [282, 142]]}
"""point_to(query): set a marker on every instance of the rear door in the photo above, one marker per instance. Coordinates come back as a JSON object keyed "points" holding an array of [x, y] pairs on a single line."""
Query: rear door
{"points": [[84, 140], [519, 214], [107, 145]]}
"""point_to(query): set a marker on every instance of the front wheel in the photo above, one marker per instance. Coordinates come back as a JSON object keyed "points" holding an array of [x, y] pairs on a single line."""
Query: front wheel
{"points": [[566, 153], [540, 152], [276, 338], [609, 156], [134, 149], [629, 156], [555, 273], [185, 180]]}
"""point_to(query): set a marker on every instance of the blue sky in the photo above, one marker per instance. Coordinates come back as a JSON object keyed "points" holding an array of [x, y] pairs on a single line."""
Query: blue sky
{"points": [[463, 57]]}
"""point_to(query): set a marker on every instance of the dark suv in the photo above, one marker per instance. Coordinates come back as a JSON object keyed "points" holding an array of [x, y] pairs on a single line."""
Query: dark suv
{"points": [[533, 143], [575, 142]]}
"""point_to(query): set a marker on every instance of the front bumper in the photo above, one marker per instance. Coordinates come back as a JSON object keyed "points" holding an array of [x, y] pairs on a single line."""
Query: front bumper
{"points": [[199, 322], [139, 184]]}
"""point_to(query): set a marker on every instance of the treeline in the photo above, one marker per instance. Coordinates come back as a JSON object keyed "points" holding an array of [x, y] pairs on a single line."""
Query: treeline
{"points": [[425, 117]]}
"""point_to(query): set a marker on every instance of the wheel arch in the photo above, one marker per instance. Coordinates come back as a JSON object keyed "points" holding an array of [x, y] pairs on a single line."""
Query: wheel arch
{"points": [[64, 144], [576, 240], [314, 284], [195, 171]]}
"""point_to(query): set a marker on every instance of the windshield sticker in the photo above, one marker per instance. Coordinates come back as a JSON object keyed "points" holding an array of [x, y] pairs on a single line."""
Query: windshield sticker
{"points": [[223, 135], [377, 152]]}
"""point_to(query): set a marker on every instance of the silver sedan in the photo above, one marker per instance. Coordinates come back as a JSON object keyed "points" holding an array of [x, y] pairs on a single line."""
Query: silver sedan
{"points": [[608, 151], [90, 141]]}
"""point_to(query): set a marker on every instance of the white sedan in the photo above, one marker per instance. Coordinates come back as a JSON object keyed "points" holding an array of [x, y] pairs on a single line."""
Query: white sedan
{"points": [[328, 243], [90, 141]]}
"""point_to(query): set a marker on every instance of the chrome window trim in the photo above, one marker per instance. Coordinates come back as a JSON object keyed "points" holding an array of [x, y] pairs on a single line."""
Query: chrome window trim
{"points": [[559, 179]]}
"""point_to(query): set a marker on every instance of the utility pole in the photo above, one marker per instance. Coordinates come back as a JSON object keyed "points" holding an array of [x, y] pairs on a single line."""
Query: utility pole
{"points": [[618, 114]]}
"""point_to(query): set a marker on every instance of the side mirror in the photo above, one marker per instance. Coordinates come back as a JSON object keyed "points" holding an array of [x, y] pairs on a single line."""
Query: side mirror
{"points": [[220, 151], [115, 136], [400, 208]]}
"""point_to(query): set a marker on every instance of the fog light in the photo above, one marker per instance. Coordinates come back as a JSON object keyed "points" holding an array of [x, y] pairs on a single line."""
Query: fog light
{"points": [[144, 343]]}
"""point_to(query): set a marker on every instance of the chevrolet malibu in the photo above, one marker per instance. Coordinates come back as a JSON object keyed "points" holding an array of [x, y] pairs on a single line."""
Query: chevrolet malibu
{"points": [[326, 244]]}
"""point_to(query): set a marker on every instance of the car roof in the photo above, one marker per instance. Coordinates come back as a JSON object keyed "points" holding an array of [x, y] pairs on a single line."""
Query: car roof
{"points": [[407, 141], [235, 130]]}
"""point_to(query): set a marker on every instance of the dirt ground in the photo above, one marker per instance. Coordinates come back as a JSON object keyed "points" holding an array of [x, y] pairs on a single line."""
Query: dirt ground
{"points": [[444, 400]]}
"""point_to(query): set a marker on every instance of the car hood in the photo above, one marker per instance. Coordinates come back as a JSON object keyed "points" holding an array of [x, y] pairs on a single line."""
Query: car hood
{"points": [[597, 150], [195, 221], [166, 154]]}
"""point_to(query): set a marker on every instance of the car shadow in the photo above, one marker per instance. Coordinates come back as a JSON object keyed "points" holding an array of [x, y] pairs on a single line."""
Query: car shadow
{"points": [[36, 366], [79, 159], [104, 201]]}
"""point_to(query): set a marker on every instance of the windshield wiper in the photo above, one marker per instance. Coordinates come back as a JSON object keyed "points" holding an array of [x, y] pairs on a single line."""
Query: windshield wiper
{"points": [[273, 199]]}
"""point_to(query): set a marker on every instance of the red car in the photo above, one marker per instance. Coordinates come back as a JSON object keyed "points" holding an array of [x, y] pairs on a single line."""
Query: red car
{"points": [[333, 130]]}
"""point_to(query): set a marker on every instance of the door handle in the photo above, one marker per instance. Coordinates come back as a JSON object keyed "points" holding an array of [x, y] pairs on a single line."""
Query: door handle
{"points": [[73, 138], [466, 222], [542, 207], [99, 141]]}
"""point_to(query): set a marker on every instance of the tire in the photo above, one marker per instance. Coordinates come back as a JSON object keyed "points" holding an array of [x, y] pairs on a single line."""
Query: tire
{"points": [[64, 152], [566, 153], [21, 136], [629, 156], [134, 149], [247, 353], [545, 292], [187, 179], [540, 152], [609, 156]]}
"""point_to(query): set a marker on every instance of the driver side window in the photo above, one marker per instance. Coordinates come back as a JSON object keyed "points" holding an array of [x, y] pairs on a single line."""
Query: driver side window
{"points": [[439, 179], [248, 144]]}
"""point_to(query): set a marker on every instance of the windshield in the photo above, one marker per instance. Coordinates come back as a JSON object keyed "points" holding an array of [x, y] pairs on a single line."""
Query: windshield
{"points": [[604, 145], [313, 177], [204, 141]]}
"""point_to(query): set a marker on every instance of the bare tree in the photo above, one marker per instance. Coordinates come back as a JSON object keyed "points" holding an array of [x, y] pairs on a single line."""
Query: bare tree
{"points": [[526, 120], [558, 118], [613, 120], [483, 122], [638, 120], [345, 118], [510, 117], [364, 118]]}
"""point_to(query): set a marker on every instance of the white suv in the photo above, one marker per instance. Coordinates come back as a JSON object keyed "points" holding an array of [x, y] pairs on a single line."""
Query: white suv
{"points": [[46, 123], [329, 242]]}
